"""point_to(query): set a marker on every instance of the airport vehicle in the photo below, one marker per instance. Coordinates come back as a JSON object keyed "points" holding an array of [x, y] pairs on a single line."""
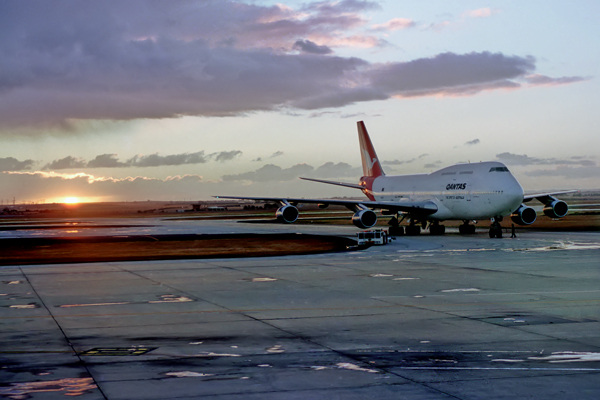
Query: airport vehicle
{"points": [[465, 192], [372, 236]]}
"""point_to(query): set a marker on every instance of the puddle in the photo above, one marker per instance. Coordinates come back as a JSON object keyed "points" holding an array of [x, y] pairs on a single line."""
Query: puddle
{"points": [[461, 290], [165, 298], [380, 275], [218, 355], [67, 386], [275, 349], [12, 282], [404, 279], [568, 356], [561, 246], [354, 367], [24, 306], [171, 298], [263, 279], [188, 374]]}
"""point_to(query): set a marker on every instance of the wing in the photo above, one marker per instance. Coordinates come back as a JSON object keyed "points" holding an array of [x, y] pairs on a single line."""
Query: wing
{"points": [[545, 197], [412, 207]]}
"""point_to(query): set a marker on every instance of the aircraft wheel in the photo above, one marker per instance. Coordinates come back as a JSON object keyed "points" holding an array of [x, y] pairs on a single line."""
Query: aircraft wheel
{"points": [[496, 232], [413, 230], [466, 229], [437, 229], [396, 230]]}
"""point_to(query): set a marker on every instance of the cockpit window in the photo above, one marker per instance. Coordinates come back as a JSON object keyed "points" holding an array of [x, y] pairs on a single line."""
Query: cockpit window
{"points": [[498, 169]]}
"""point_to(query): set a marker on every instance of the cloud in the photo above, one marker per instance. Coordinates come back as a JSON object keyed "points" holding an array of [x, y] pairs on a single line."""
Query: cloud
{"points": [[435, 164], [65, 163], [472, 142], [12, 164], [106, 161], [400, 162], [277, 154], [154, 160], [306, 46], [271, 172], [479, 13], [543, 80], [568, 172], [394, 25], [48, 185], [141, 161], [67, 62], [339, 170], [226, 155], [274, 173], [524, 159]]}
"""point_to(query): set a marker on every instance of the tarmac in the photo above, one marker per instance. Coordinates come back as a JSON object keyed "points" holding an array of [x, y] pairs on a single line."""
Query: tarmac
{"points": [[427, 317]]}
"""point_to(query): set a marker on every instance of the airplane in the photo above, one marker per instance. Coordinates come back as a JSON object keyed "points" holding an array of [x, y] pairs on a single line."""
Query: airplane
{"points": [[464, 192]]}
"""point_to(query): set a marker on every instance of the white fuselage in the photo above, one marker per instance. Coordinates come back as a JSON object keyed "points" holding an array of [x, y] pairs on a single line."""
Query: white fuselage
{"points": [[461, 192]]}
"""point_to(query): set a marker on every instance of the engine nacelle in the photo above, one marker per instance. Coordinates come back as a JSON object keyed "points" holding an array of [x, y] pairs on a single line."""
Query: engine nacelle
{"points": [[556, 209], [524, 215], [287, 214], [323, 205], [364, 219]]}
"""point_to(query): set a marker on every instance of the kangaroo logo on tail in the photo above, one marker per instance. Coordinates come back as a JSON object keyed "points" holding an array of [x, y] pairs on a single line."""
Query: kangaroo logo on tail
{"points": [[370, 162]]}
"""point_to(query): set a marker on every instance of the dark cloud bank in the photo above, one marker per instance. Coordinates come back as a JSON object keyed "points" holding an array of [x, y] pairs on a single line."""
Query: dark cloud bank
{"points": [[122, 60], [152, 160]]}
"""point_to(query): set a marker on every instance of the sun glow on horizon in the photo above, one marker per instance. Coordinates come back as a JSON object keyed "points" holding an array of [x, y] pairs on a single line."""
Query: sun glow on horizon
{"points": [[71, 200]]}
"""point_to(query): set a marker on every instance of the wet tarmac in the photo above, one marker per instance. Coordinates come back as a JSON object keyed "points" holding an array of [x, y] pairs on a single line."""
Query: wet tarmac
{"points": [[428, 317]]}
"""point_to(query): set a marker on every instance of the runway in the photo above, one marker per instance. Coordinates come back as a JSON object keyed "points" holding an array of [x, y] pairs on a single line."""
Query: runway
{"points": [[428, 317]]}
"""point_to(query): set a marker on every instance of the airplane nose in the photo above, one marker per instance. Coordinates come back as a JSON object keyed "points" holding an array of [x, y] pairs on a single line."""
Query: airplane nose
{"points": [[514, 194]]}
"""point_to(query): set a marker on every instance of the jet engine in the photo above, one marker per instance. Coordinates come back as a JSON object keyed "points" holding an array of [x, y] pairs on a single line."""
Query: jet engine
{"points": [[364, 219], [556, 208], [524, 215], [287, 214]]}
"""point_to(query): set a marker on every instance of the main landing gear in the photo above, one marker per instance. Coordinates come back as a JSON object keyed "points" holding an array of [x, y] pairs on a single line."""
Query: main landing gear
{"points": [[412, 229], [436, 229], [496, 228], [466, 228]]}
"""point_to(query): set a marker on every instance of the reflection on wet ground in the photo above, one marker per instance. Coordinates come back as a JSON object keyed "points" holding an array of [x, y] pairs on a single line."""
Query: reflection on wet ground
{"points": [[66, 387]]}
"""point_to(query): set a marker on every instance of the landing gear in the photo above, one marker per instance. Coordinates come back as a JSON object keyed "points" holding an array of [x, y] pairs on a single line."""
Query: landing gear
{"points": [[466, 228], [496, 228], [412, 229], [395, 228], [436, 229]]}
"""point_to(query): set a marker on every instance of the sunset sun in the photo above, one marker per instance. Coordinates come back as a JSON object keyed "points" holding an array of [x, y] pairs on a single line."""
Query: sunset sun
{"points": [[71, 200]]}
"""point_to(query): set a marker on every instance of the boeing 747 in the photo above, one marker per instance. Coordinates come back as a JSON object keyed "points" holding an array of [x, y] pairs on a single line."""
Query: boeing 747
{"points": [[464, 192]]}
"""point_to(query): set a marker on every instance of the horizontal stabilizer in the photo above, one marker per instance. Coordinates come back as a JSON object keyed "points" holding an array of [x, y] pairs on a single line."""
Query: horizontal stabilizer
{"points": [[350, 185]]}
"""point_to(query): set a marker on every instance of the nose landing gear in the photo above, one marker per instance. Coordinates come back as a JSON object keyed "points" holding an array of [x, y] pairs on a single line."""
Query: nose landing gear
{"points": [[496, 228]]}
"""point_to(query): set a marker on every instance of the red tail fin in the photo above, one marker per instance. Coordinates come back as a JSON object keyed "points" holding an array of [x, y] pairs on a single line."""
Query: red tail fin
{"points": [[370, 162]]}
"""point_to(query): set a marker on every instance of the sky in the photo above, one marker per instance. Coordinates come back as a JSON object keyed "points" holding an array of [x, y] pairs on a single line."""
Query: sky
{"points": [[183, 100]]}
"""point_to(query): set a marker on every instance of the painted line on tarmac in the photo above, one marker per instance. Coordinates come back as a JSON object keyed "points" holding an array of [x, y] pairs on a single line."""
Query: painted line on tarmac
{"points": [[499, 369]]}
